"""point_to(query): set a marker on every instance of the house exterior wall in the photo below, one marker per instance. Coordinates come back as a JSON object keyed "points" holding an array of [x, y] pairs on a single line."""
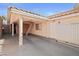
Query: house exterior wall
{"points": [[42, 31], [67, 29], [64, 29]]}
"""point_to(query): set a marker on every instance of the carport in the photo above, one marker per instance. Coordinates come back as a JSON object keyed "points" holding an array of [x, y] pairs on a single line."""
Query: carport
{"points": [[24, 19]]}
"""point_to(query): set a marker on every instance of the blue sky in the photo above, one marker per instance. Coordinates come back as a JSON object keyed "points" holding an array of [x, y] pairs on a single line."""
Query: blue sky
{"points": [[45, 9]]}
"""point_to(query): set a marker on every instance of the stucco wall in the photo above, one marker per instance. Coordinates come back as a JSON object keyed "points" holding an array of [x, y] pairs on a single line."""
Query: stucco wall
{"points": [[42, 31], [66, 29]]}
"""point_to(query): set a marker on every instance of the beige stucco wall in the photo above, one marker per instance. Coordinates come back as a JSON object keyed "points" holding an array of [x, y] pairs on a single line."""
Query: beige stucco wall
{"points": [[65, 29], [42, 31]]}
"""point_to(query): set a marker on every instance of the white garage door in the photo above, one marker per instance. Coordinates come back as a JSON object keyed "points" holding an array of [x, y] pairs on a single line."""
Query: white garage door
{"points": [[67, 32], [75, 27]]}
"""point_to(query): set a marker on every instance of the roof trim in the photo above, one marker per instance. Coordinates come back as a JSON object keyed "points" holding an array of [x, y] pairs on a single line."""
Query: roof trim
{"points": [[27, 13]]}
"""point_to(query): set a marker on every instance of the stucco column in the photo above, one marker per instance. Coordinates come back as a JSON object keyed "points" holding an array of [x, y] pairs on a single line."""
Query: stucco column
{"points": [[20, 31], [13, 29]]}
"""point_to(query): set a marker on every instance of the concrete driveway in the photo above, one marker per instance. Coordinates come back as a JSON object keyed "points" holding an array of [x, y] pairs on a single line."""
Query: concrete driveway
{"points": [[36, 46]]}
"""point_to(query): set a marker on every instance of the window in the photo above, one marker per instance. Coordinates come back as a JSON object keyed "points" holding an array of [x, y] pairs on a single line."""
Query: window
{"points": [[37, 26]]}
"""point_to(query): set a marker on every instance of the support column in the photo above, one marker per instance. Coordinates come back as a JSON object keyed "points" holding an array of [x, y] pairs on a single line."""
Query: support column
{"points": [[13, 29], [20, 31]]}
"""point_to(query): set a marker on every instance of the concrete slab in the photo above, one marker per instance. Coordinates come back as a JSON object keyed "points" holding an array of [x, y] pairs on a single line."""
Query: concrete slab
{"points": [[36, 46]]}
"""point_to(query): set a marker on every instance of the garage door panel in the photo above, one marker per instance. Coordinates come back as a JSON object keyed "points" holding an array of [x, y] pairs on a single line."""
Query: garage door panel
{"points": [[67, 32]]}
